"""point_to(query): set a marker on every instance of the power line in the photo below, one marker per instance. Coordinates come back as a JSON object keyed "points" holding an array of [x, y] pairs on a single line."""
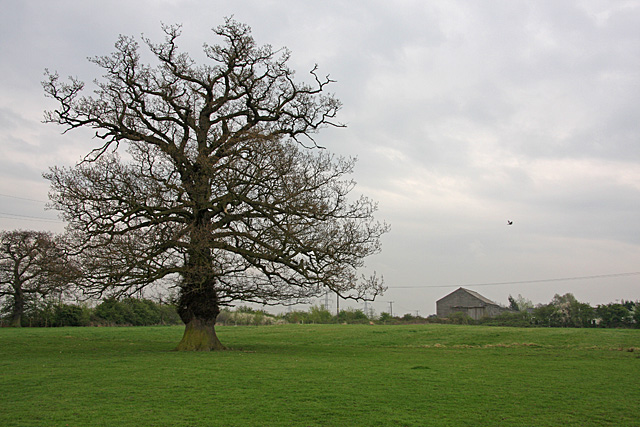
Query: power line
{"points": [[22, 198], [520, 282], [6, 215]]}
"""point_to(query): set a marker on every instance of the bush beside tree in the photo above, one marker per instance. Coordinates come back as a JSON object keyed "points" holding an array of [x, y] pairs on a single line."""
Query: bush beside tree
{"points": [[134, 312], [110, 312]]}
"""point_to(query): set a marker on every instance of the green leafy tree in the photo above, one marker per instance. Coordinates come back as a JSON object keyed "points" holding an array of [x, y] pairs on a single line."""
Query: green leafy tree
{"points": [[143, 311], [408, 317], [629, 305], [572, 313], [135, 312], [563, 304], [520, 303], [513, 305], [218, 188], [70, 315], [583, 315], [546, 315], [319, 314], [385, 317], [111, 311], [297, 316], [352, 315], [636, 314], [613, 315]]}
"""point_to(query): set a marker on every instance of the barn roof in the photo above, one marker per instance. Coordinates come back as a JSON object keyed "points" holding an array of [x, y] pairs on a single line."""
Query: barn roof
{"points": [[473, 293]]}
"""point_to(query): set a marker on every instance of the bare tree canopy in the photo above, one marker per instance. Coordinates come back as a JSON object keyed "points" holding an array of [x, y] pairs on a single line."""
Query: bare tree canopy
{"points": [[217, 185], [32, 266]]}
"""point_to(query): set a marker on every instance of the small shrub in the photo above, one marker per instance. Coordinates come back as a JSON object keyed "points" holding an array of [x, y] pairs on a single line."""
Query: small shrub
{"points": [[134, 312], [142, 312], [351, 315], [385, 317], [460, 318], [297, 316], [168, 314], [71, 315], [320, 315], [614, 315], [508, 318], [112, 312]]}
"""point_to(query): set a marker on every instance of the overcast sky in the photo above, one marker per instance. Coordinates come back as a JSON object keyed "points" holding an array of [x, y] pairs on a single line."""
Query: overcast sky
{"points": [[463, 115]]}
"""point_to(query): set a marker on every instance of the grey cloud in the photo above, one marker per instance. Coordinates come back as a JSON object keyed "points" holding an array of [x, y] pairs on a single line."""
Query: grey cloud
{"points": [[463, 114]]}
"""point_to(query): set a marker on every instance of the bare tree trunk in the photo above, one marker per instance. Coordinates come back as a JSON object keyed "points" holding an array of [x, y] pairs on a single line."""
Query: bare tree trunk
{"points": [[199, 309], [198, 304], [16, 320], [18, 308], [200, 335]]}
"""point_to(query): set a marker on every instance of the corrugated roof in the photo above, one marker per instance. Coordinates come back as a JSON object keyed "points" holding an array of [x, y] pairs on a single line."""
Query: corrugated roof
{"points": [[472, 293], [480, 297]]}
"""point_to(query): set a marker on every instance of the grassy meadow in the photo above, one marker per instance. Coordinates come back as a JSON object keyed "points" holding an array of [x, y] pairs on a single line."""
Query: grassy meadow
{"points": [[321, 375]]}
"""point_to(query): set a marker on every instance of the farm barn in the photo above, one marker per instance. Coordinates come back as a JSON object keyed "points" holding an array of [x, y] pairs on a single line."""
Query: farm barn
{"points": [[468, 302]]}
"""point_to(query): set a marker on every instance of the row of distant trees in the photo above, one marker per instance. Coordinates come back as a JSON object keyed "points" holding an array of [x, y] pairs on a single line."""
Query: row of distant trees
{"points": [[566, 311], [38, 281], [38, 278], [109, 312], [562, 311]]}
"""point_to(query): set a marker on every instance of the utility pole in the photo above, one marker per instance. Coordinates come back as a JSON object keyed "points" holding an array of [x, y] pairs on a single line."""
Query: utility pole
{"points": [[326, 300], [337, 307], [391, 308]]}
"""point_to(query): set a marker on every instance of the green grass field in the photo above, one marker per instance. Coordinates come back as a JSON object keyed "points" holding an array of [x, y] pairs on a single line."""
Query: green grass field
{"points": [[321, 375]]}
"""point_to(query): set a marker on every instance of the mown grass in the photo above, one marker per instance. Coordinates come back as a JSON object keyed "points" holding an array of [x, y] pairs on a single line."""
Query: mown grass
{"points": [[321, 375]]}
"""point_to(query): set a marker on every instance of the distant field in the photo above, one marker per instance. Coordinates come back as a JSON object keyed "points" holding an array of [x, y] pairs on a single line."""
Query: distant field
{"points": [[321, 375]]}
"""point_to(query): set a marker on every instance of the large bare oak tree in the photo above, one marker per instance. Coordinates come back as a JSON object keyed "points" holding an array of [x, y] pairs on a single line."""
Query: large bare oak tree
{"points": [[221, 184]]}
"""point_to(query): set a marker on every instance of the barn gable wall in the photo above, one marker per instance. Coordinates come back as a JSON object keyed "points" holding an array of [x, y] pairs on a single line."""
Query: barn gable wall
{"points": [[469, 303]]}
